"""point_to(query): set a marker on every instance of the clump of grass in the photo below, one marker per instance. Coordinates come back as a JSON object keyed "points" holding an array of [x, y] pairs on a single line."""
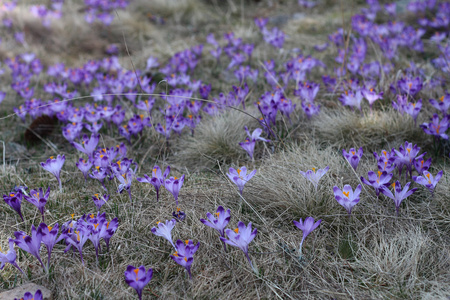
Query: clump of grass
{"points": [[216, 141], [379, 129]]}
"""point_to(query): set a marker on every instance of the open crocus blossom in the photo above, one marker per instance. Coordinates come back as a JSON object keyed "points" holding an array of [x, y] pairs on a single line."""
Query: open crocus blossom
{"points": [[437, 127], [157, 178], [378, 182], [353, 157], [371, 95], [54, 165], [165, 230], [9, 257], [347, 197], [14, 200], [241, 237], [240, 177], [428, 180], [30, 244], [49, 238], [99, 200], [29, 296], [314, 176], [88, 145], [184, 255], [38, 198], [399, 194], [306, 227], [173, 185], [219, 224], [138, 278]]}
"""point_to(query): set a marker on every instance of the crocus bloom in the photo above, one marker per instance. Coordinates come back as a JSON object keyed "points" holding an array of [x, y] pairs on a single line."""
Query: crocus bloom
{"points": [[173, 185], [371, 95], [179, 215], [314, 176], [346, 197], [97, 230], [30, 244], [49, 238], [14, 200], [84, 166], [240, 177], [29, 296], [157, 178], [421, 165], [39, 199], [436, 127], [353, 157], [219, 224], [405, 156], [399, 195], [100, 200], [88, 145], [111, 228], [9, 257], [306, 227], [54, 166], [78, 238], [378, 182], [249, 144], [184, 255], [428, 180], [241, 237], [443, 104], [165, 230], [413, 109], [138, 278]]}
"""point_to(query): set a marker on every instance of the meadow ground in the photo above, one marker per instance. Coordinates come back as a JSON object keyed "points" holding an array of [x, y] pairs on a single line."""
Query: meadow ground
{"points": [[373, 254]]}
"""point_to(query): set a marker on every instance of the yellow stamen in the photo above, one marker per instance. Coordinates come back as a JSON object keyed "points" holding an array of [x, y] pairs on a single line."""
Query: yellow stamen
{"points": [[11, 195], [442, 99], [185, 259], [136, 271], [95, 226], [217, 214], [72, 215], [51, 157], [236, 230], [91, 215], [346, 194], [393, 185], [314, 170], [175, 254], [186, 241], [78, 235], [379, 174]]}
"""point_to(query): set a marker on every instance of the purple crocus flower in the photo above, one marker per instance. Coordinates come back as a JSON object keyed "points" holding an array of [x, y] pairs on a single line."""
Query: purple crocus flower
{"points": [[405, 156], [353, 157], [219, 224], [371, 95], [428, 180], [184, 255], [173, 185], [84, 166], [138, 278], [111, 228], [49, 239], [78, 238], [249, 144], [54, 166], [240, 177], [378, 181], [29, 296], [125, 181], [14, 200], [157, 178], [436, 127], [97, 230], [314, 176], [352, 99], [88, 145], [100, 200], [9, 257], [409, 86], [399, 195], [347, 197], [443, 104], [30, 244], [413, 109], [421, 165], [165, 230], [241, 237], [306, 227], [39, 199]]}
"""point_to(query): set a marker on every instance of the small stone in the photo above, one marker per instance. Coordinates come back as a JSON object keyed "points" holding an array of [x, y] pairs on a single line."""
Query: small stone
{"points": [[19, 291]]}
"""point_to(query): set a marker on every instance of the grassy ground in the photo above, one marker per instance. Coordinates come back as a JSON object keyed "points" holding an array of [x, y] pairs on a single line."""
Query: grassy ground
{"points": [[372, 255]]}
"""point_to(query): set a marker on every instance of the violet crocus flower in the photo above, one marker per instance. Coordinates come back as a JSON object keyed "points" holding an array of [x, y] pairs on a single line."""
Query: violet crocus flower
{"points": [[421, 165], [14, 200], [111, 228], [240, 177], [29, 296], [184, 255], [100, 200], [436, 127], [249, 144], [219, 224], [157, 178], [443, 104], [347, 197], [405, 156], [413, 109], [54, 165], [314, 176], [88, 145], [353, 157], [77, 239], [9, 257], [378, 182], [84, 166], [30, 244], [241, 238], [371, 95], [38, 198], [399, 195], [352, 99], [306, 227], [173, 185], [428, 180], [97, 229], [165, 230], [49, 239], [138, 278]]}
